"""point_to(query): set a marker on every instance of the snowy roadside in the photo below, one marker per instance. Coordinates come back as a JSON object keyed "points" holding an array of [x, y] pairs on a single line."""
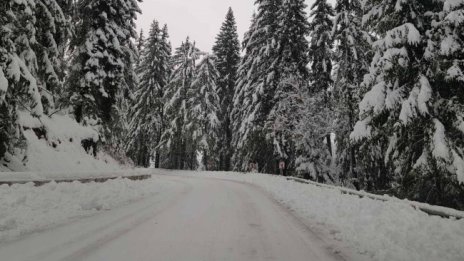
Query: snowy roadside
{"points": [[25, 208], [24, 177], [392, 231], [384, 231]]}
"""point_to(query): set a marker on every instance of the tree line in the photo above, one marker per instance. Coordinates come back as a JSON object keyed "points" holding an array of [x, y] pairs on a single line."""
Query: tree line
{"points": [[364, 94]]}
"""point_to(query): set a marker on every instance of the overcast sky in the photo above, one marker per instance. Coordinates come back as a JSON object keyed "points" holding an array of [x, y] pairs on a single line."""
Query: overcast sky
{"points": [[199, 19]]}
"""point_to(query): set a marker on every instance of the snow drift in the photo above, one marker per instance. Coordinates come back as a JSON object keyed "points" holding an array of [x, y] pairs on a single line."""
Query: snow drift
{"points": [[54, 144]]}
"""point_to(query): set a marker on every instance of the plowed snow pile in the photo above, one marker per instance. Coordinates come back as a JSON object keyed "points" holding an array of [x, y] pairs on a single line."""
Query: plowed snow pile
{"points": [[25, 208], [59, 149]]}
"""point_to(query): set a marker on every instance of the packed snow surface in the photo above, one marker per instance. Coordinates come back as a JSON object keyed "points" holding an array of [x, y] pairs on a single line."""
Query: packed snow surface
{"points": [[200, 211], [189, 219], [384, 231]]}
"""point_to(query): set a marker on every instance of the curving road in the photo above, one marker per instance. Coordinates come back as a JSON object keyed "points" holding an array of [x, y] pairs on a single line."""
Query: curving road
{"points": [[195, 219]]}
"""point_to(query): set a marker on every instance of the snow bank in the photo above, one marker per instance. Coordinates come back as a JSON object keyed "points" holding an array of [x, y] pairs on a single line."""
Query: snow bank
{"points": [[385, 231], [25, 177], [25, 208], [61, 150]]}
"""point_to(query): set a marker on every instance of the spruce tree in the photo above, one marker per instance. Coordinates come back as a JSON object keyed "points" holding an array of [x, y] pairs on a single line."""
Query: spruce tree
{"points": [[102, 53], [291, 79], [166, 49], [236, 115], [227, 52], [412, 102], [52, 34], [314, 139], [321, 44], [139, 44], [450, 57], [176, 140], [255, 92], [204, 123], [146, 114], [19, 89], [352, 57]]}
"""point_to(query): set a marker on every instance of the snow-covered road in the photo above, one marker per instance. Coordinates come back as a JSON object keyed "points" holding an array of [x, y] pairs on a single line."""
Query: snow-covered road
{"points": [[192, 218]]}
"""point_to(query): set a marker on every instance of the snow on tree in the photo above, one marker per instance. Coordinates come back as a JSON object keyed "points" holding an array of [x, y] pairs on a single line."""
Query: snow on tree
{"points": [[412, 101], [18, 65], [204, 123], [102, 53], [227, 52], [291, 62], [236, 115], [255, 91], [321, 44], [146, 115], [314, 142], [451, 74], [139, 44], [286, 115], [52, 34], [176, 140], [351, 59]]}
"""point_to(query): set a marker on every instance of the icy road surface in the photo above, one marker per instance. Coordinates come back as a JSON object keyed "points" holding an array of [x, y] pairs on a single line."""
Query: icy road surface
{"points": [[195, 219]]}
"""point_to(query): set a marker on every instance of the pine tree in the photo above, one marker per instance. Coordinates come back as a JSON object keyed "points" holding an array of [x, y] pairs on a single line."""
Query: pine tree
{"points": [[352, 57], [255, 91], [140, 43], [166, 49], [314, 139], [18, 72], [320, 51], [52, 34], [204, 122], [236, 115], [285, 115], [227, 51], [451, 74], [102, 57], [291, 77], [147, 113], [176, 140], [412, 103]]}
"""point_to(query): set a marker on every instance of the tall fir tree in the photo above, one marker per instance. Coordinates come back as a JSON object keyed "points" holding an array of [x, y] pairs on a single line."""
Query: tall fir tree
{"points": [[291, 79], [413, 103], [146, 114], [102, 55], [176, 140], [204, 123], [168, 68], [352, 56], [236, 115], [140, 44], [314, 130], [15, 36], [33, 35], [255, 91], [227, 52], [52, 34], [321, 44]]}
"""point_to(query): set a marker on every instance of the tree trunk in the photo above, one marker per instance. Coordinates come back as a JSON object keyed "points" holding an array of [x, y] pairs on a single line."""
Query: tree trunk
{"points": [[329, 143], [157, 160]]}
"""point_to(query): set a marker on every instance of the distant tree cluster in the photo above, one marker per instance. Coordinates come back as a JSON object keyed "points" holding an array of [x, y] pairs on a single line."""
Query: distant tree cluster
{"points": [[365, 94]]}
